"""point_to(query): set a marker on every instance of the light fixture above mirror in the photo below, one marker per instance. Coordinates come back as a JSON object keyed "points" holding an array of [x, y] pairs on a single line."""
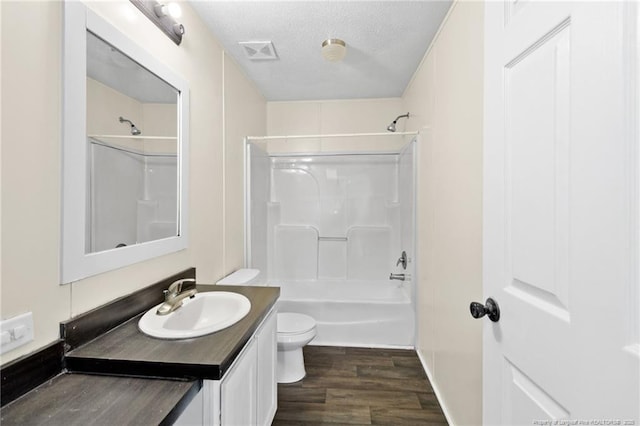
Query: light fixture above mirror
{"points": [[163, 16]]}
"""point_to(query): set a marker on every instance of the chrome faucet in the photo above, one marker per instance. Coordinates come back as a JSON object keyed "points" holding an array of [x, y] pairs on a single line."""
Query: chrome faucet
{"points": [[399, 277], [174, 296]]}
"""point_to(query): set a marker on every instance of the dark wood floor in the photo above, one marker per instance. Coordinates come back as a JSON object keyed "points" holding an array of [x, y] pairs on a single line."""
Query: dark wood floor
{"points": [[359, 386]]}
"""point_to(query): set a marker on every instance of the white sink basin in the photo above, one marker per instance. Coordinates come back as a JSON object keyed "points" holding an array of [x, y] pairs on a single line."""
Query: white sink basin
{"points": [[205, 313]]}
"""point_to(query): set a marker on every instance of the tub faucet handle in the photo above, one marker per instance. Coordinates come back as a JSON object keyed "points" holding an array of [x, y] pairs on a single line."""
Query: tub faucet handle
{"points": [[399, 277]]}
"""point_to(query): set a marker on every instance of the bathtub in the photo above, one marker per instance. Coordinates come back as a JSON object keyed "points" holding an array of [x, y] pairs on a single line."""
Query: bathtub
{"points": [[353, 313]]}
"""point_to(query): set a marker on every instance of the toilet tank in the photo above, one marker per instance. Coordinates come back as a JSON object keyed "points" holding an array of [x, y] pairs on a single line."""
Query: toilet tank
{"points": [[243, 277]]}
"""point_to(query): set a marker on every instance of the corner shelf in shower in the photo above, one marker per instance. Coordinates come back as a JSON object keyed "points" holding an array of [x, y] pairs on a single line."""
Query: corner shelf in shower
{"points": [[142, 144]]}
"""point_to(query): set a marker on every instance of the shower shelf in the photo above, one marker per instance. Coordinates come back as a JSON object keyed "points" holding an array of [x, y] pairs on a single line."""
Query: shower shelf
{"points": [[335, 135], [167, 138], [150, 146], [332, 238]]}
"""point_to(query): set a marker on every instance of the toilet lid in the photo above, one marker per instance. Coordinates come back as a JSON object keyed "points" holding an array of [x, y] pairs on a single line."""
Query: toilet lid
{"points": [[292, 323]]}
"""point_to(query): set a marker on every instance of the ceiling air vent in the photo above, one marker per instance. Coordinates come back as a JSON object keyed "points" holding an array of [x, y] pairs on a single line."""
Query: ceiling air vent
{"points": [[259, 50]]}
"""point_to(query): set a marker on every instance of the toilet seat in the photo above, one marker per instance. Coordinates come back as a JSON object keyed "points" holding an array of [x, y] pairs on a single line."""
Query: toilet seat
{"points": [[290, 323]]}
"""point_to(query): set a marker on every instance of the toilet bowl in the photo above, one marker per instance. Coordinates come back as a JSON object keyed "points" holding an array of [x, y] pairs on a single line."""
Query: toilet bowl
{"points": [[294, 330]]}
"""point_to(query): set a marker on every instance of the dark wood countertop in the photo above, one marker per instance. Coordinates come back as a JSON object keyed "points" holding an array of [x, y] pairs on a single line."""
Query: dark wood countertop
{"points": [[82, 399], [125, 350]]}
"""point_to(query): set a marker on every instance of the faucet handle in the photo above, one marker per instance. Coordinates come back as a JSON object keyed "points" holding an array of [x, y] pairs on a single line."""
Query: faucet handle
{"points": [[176, 287]]}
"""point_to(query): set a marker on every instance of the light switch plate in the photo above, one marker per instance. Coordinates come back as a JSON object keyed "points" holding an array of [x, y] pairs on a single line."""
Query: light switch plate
{"points": [[19, 330]]}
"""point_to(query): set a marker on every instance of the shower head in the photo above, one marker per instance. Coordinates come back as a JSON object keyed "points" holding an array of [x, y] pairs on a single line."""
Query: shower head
{"points": [[392, 127], [134, 130]]}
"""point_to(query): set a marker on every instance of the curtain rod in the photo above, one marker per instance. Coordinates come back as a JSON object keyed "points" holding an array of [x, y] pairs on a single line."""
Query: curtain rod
{"points": [[337, 135]]}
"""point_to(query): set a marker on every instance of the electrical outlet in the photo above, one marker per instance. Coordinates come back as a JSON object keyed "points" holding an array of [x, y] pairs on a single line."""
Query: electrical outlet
{"points": [[16, 331]]}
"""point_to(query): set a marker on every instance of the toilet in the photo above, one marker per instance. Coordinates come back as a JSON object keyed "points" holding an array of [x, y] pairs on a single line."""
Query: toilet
{"points": [[294, 331]]}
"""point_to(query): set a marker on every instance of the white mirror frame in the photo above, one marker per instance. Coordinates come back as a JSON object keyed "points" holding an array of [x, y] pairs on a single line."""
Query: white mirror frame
{"points": [[75, 263]]}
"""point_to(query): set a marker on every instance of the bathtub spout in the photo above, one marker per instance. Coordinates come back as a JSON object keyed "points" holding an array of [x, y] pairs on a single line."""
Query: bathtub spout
{"points": [[399, 277]]}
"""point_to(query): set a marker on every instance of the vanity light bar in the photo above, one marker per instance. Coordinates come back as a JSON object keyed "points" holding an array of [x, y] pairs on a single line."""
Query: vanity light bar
{"points": [[155, 12]]}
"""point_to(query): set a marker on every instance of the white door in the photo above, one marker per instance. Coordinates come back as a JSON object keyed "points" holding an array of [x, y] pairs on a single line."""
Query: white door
{"points": [[560, 213]]}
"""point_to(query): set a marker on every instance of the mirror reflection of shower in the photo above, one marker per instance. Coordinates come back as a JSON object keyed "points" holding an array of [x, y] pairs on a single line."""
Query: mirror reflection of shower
{"points": [[392, 127], [134, 130]]}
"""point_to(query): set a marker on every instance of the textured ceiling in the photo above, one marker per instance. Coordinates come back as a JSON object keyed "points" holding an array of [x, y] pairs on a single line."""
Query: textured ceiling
{"points": [[386, 41]]}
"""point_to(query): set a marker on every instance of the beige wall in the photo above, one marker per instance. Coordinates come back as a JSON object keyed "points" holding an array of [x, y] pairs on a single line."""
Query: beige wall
{"points": [[338, 116], [31, 167], [244, 115], [159, 120], [333, 117], [105, 105], [446, 95]]}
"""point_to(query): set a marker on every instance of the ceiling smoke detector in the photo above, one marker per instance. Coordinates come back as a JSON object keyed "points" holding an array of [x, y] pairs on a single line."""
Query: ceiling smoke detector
{"points": [[259, 50], [334, 49]]}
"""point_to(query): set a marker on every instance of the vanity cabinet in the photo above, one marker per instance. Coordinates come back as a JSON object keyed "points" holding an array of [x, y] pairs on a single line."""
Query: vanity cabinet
{"points": [[267, 380], [234, 371], [247, 393], [238, 390]]}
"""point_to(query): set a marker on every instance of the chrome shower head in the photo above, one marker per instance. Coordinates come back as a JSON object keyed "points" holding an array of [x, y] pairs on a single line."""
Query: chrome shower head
{"points": [[134, 130], [392, 127]]}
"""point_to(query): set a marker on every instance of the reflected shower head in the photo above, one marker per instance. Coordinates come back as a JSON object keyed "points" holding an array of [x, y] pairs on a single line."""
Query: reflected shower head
{"points": [[134, 130], [392, 127]]}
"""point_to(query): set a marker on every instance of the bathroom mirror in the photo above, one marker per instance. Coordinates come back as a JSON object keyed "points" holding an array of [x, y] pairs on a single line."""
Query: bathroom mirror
{"points": [[124, 170]]}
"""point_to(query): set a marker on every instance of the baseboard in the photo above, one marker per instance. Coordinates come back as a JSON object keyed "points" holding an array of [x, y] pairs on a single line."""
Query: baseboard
{"points": [[434, 385]]}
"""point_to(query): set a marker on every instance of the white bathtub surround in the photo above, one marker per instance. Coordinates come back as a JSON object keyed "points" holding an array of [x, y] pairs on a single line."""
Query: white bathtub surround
{"points": [[353, 313], [135, 204], [328, 229]]}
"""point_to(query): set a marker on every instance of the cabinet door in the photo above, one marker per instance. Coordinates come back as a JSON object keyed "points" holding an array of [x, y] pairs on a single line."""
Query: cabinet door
{"points": [[267, 382], [238, 390]]}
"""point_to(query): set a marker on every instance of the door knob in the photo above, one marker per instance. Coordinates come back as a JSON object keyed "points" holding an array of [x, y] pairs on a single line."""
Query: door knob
{"points": [[490, 309], [403, 260]]}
